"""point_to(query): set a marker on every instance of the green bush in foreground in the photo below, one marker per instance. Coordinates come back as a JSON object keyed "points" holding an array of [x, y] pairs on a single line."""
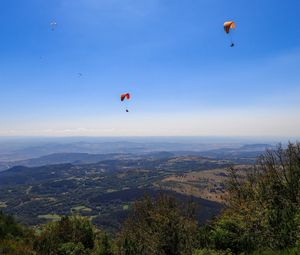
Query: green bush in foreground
{"points": [[262, 207], [70, 235], [211, 252], [158, 226]]}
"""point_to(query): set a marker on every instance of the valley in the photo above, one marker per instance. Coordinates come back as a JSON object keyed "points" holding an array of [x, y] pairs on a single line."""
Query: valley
{"points": [[104, 187]]}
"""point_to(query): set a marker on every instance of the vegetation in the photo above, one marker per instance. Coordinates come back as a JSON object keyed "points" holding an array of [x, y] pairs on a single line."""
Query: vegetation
{"points": [[14, 238], [74, 234], [161, 226], [102, 191], [263, 207], [261, 217]]}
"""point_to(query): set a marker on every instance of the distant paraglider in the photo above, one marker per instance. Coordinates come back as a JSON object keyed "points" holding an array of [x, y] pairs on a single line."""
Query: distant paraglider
{"points": [[127, 97], [123, 96], [228, 25], [53, 25]]}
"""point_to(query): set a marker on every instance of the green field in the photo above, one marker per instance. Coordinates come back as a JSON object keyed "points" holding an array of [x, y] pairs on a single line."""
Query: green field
{"points": [[125, 207], [81, 208], [3, 205], [51, 217]]}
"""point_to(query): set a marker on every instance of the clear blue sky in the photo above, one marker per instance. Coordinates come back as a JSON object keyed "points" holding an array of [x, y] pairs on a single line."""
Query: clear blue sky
{"points": [[171, 55]]}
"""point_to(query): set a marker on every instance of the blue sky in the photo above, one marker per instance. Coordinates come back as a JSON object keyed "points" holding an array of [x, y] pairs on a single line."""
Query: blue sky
{"points": [[171, 55]]}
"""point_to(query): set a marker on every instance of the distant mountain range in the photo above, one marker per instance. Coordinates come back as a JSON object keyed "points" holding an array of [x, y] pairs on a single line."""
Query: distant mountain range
{"points": [[127, 151], [20, 149]]}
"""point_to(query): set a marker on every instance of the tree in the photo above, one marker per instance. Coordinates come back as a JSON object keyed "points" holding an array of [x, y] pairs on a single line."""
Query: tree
{"points": [[72, 249], [9, 227], [103, 245], [263, 204], [70, 234], [15, 239], [158, 226]]}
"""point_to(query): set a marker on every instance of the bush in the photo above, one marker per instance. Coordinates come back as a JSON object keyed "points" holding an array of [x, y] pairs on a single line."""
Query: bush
{"points": [[103, 245], [15, 239], [10, 228], [211, 252], [263, 205], [58, 236], [72, 249], [159, 226], [13, 247]]}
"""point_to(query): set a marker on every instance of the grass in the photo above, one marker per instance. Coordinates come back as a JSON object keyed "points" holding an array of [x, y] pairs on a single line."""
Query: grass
{"points": [[111, 190], [51, 217], [293, 251], [3, 205], [81, 208]]}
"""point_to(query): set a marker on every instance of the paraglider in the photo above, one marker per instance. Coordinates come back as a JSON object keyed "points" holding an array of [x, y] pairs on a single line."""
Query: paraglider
{"points": [[123, 96], [127, 97], [228, 25], [53, 25]]}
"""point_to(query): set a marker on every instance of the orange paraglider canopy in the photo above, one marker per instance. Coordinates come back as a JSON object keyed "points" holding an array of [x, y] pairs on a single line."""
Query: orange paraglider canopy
{"points": [[123, 96], [229, 25]]}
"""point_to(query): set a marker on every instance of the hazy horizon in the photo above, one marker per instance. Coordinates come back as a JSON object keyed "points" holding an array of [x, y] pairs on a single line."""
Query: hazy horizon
{"points": [[153, 139]]}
